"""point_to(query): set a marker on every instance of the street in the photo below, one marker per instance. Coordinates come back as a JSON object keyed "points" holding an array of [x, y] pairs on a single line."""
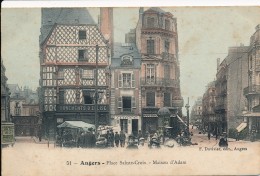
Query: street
{"points": [[31, 157]]}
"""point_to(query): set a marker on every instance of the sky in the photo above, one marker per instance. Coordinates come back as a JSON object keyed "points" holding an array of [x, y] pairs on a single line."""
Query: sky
{"points": [[204, 34]]}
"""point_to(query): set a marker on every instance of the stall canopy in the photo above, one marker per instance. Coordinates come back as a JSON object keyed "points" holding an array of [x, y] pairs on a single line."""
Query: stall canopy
{"points": [[76, 125], [241, 127]]}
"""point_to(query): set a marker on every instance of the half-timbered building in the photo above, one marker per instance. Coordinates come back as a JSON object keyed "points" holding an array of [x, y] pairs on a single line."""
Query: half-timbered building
{"points": [[70, 44]]}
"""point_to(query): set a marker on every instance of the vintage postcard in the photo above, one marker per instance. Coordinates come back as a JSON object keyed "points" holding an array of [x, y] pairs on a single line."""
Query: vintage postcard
{"points": [[141, 90]]}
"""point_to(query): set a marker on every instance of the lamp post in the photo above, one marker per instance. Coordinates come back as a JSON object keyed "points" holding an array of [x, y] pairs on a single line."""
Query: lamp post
{"points": [[96, 94], [187, 106]]}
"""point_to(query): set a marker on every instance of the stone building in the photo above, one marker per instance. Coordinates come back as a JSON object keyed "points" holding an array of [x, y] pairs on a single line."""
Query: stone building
{"points": [[252, 88], [5, 98], [68, 54], [196, 112], [210, 123], [125, 88], [24, 110], [157, 42], [231, 79]]}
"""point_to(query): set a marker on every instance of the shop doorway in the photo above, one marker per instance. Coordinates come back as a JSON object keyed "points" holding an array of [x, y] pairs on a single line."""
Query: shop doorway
{"points": [[124, 125], [135, 126]]}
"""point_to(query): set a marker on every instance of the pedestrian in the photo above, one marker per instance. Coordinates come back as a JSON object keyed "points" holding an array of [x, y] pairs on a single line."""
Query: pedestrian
{"points": [[81, 140], [154, 143], [87, 139], [112, 138], [122, 138], [237, 136], [209, 135], [216, 136], [92, 139], [140, 135], [107, 136], [131, 143], [117, 139]]}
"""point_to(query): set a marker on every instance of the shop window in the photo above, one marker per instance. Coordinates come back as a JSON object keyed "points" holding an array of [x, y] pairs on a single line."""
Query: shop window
{"points": [[124, 125]]}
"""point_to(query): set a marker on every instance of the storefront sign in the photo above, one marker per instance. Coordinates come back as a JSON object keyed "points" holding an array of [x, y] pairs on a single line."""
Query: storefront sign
{"points": [[82, 108], [126, 117]]}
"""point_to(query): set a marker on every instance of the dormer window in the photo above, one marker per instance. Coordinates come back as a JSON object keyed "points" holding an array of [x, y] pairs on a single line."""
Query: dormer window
{"points": [[127, 61]]}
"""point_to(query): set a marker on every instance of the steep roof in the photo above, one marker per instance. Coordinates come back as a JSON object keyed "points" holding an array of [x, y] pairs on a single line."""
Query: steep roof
{"points": [[157, 9], [121, 49], [50, 16]]}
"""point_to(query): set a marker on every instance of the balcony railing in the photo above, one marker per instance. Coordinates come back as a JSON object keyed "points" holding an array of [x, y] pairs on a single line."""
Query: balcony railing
{"points": [[159, 82], [168, 56], [127, 111], [254, 89]]}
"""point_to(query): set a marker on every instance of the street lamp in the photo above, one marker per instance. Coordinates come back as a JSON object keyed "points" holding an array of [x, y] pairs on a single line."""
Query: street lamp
{"points": [[187, 106], [96, 94]]}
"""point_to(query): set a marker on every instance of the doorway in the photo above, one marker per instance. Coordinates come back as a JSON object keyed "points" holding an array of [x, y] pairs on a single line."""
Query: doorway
{"points": [[135, 126]]}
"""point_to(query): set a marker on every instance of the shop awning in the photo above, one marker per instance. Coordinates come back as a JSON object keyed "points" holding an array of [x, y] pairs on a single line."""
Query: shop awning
{"points": [[76, 125], [181, 120], [241, 127]]}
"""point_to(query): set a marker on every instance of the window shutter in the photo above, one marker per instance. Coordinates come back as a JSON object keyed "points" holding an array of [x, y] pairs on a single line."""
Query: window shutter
{"points": [[155, 73], [119, 101], [120, 80], [133, 80], [133, 102]]}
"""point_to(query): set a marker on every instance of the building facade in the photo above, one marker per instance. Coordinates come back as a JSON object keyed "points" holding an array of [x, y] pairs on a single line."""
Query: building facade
{"points": [[210, 123], [24, 110], [5, 98], [196, 112], [72, 52], [157, 42], [252, 90], [125, 88], [231, 79]]}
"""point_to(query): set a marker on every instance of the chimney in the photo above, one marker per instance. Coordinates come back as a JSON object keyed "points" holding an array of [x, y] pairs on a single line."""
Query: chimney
{"points": [[218, 63], [141, 11], [106, 25]]}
